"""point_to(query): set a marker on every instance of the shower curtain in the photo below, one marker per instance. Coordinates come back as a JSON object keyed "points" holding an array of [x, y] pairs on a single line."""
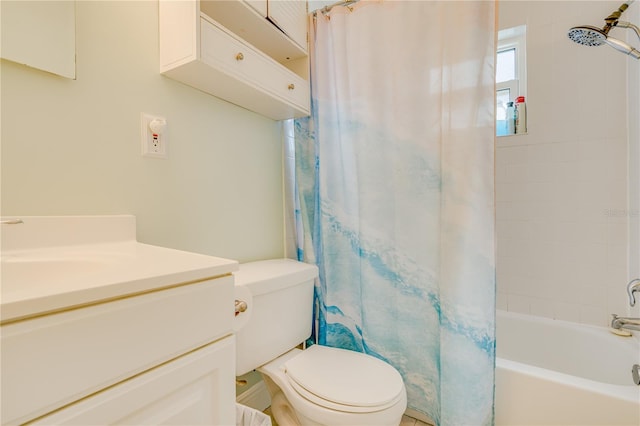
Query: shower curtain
{"points": [[393, 194]]}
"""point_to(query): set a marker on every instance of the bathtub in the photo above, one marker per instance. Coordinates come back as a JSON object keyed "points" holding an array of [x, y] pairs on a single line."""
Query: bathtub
{"points": [[551, 372]]}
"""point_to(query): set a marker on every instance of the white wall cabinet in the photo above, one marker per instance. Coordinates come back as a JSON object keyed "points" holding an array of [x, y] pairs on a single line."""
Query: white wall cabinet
{"points": [[163, 357], [286, 16], [231, 50], [260, 6]]}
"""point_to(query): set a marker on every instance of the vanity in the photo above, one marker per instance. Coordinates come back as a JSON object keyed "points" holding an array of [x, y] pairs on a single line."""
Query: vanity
{"points": [[97, 328]]}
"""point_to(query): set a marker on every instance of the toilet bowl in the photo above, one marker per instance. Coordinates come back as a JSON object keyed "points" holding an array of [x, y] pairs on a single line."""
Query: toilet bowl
{"points": [[330, 386], [319, 385]]}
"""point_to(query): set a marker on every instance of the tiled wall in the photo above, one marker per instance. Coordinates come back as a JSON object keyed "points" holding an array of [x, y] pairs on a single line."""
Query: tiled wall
{"points": [[562, 189]]}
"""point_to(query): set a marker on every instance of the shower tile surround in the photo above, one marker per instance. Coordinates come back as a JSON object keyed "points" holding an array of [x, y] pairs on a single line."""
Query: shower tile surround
{"points": [[561, 190]]}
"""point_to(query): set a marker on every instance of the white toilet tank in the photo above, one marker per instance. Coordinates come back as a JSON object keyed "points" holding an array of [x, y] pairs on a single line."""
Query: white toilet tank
{"points": [[279, 297]]}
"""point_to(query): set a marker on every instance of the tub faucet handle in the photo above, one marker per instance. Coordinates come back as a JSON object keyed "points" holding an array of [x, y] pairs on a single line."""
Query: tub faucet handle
{"points": [[633, 287]]}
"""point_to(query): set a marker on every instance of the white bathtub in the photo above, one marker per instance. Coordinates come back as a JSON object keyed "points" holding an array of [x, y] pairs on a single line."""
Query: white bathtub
{"points": [[551, 372]]}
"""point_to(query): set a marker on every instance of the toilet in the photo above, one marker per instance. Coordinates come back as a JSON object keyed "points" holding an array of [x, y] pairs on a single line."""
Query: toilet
{"points": [[319, 385]]}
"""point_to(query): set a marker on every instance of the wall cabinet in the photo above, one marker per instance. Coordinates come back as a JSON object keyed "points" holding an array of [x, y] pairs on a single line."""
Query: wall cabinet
{"points": [[288, 16], [250, 53]]}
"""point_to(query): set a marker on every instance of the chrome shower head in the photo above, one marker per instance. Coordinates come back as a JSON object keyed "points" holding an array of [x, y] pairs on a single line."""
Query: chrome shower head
{"points": [[587, 35], [593, 36]]}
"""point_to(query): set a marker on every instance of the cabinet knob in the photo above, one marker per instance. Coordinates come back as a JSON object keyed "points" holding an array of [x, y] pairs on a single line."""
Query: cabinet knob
{"points": [[291, 86], [239, 56], [241, 306]]}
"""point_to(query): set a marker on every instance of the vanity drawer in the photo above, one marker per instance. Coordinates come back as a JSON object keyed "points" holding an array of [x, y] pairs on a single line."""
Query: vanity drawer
{"points": [[221, 50], [50, 361]]}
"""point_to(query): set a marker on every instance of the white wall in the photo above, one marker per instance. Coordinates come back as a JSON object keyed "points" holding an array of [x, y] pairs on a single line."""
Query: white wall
{"points": [[73, 147], [562, 190]]}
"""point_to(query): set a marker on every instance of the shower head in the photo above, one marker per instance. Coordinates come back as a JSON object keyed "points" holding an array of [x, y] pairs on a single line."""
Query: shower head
{"points": [[593, 36], [588, 35]]}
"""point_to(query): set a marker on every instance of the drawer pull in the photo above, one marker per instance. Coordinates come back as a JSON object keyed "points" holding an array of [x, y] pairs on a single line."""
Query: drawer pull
{"points": [[291, 86], [239, 56]]}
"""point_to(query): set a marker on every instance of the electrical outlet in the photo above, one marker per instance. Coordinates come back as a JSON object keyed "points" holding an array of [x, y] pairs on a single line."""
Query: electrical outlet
{"points": [[153, 136]]}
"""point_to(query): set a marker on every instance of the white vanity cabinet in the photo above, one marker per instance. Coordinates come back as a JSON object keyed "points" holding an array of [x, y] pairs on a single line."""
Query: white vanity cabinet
{"points": [[165, 356], [97, 328], [250, 53]]}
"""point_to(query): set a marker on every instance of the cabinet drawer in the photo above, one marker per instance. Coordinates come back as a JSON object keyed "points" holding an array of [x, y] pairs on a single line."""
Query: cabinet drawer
{"points": [[221, 50], [50, 361]]}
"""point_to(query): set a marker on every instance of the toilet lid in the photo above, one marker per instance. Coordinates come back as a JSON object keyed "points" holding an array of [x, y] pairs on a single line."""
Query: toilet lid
{"points": [[343, 379]]}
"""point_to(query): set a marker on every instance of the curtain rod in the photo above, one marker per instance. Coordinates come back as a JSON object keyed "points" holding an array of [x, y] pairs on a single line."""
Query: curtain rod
{"points": [[328, 8]]}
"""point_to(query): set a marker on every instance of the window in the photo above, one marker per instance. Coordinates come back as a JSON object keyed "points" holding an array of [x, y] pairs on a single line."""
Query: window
{"points": [[510, 73]]}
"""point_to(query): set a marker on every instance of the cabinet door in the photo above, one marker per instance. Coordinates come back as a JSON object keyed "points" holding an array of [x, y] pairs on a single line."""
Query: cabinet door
{"points": [[53, 360], [195, 389], [291, 17]]}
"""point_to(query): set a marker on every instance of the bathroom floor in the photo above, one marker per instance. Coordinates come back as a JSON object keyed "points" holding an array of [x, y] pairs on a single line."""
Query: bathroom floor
{"points": [[406, 420], [410, 421]]}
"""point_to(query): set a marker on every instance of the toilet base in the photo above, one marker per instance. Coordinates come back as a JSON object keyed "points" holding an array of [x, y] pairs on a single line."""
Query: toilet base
{"points": [[281, 410]]}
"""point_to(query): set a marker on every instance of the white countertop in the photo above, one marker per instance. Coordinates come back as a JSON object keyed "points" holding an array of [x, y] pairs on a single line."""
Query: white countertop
{"points": [[56, 263]]}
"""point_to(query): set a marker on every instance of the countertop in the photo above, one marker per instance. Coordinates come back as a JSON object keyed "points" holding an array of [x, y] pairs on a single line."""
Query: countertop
{"points": [[57, 263]]}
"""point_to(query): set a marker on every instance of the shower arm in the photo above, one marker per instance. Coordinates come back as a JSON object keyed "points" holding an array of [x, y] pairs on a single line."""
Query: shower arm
{"points": [[613, 18]]}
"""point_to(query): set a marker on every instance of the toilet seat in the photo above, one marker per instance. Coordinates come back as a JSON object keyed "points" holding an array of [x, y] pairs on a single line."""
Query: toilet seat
{"points": [[344, 380]]}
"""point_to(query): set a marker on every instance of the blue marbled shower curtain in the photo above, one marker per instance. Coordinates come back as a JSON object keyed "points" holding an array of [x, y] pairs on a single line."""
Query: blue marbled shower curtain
{"points": [[394, 180]]}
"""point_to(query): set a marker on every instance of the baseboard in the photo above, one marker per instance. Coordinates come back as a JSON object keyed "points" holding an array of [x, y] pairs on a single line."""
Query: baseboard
{"points": [[257, 396], [418, 415]]}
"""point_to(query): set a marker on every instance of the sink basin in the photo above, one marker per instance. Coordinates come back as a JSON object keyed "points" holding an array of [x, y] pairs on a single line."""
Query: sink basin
{"points": [[49, 264], [42, 272], [17, 272]]}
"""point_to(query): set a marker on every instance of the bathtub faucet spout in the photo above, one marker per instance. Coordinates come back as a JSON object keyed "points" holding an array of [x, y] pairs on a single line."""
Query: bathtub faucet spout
{"points": [[633, 287], [625, 323]]}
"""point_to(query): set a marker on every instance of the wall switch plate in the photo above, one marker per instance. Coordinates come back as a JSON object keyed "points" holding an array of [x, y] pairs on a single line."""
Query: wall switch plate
{"points": [[153, 134]]}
